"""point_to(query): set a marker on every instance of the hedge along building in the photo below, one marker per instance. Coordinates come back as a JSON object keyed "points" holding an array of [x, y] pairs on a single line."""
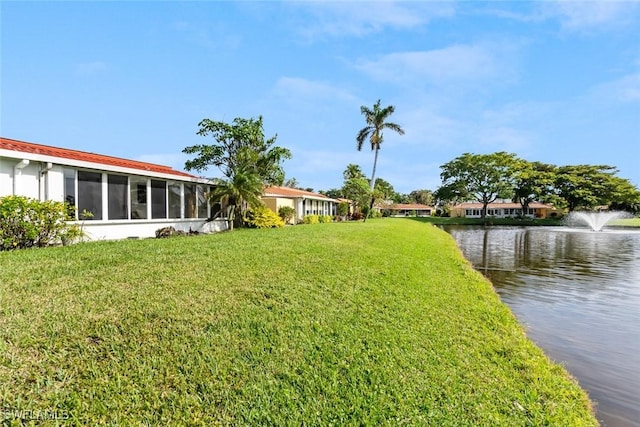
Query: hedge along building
{"points": [[114, 198]]}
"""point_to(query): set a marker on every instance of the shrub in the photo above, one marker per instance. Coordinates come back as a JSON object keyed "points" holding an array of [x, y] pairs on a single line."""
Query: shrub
{"points": [[263, 217], [356, 216], [311, 219], [26, 223], [325, 219], [286, 213]]}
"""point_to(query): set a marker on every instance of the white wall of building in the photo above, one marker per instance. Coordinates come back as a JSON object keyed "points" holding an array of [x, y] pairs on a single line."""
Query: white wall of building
{"points": [[44, 180]]}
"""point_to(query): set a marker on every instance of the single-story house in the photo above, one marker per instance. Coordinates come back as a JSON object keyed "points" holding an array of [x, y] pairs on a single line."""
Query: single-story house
{"points": [[302, 201], [503, 209], [114, 198], [408, 209]]}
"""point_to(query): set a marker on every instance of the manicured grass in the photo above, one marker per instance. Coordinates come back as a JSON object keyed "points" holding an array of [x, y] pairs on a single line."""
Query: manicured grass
{"points": [[376, 323], [626, 222]]}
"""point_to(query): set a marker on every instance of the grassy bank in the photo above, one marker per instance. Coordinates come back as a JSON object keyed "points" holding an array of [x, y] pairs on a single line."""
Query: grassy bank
{"points": [[381, 323]]}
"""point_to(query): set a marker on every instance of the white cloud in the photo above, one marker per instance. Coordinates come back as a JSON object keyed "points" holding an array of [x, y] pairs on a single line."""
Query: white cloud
{"points": [[359, 18], [625, 89], [583, 15], [296, 88], [425, 127], [453, 64]]}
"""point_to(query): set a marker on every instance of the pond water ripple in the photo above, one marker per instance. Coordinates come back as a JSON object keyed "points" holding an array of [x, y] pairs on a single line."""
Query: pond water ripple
{"points": [[577, 293]]}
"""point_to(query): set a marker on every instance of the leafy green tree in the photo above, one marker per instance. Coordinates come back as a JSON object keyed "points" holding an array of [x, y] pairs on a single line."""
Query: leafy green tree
{"points": [[385, 189], [584, 186], [357, 190], [532, 181], [401, 198], [376, 119], [589, 186], [334, 193], [246, 159], [480, 177], [353, 171], [625, 196], [240, 144], [423, 197]]}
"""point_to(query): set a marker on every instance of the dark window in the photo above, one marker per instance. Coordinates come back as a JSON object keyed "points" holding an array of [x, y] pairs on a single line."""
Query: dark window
{"points": [[89, 195], [138, 198], [158, 199], [174, 200], [70, 191], [202, 201], [189, 201], [118, 206]]}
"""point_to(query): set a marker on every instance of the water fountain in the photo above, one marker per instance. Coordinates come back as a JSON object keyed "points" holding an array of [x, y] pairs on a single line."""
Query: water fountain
{"points": [[595, 220]]}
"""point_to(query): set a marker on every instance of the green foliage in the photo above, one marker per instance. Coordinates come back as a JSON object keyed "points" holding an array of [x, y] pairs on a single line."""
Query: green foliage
{"points": [[343, 208], [325, 219], [239, 145], [334, 193], [589, 186], [26, 223], [311, 219], [263, 217], [376, 119], [286, 213], [243, 188], [532, 181], [423, 197], [384, 189], [482, 177]]}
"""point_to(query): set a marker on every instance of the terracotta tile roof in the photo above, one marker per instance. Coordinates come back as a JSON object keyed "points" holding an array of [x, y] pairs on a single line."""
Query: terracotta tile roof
{"points": [[98, 159], [294, 193], [499, 205]]}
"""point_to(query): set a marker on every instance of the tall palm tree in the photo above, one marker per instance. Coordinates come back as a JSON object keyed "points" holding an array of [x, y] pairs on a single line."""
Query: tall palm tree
{"points": [[376, 123], [242, 189]]}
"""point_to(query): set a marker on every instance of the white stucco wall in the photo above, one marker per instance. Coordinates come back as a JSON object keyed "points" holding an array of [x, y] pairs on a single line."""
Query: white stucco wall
{"points": [[126, 229]]}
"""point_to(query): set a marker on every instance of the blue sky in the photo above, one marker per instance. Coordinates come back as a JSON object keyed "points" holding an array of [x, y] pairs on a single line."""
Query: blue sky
{"points": [[553, 81]]}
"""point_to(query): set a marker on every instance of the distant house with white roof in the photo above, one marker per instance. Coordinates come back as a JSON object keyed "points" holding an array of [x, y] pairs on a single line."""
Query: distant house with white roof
{"points": [[115, 198]]}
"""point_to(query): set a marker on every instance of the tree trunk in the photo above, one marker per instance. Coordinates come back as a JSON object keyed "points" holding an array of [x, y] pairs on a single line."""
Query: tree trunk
{"points": [[372, 183]]}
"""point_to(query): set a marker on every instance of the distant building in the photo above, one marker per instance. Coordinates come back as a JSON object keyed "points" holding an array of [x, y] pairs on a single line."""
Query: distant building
{"points": [[503, 209], [408, 209], [302, 201], [115, 198]]}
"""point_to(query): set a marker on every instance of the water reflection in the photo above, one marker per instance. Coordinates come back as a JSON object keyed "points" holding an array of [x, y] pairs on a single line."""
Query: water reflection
{"points": [[578, 295]]}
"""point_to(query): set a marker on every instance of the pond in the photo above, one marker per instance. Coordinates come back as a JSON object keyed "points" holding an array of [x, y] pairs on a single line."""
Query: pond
{"points": [[577, 293]]}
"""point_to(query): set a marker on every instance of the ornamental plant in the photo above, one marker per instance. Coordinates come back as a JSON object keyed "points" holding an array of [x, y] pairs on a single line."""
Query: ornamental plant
{"points": [[286, 213], [27, 223], [263, 217]]}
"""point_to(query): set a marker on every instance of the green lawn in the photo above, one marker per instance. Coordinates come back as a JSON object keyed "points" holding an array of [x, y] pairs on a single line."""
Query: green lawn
{"points": [[376, 323]]}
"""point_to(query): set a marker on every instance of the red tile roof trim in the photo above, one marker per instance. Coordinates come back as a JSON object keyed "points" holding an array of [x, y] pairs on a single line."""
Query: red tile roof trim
{"points": [[98, 159]]}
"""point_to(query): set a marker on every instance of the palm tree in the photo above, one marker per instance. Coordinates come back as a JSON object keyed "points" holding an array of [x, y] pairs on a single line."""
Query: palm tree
{"points": [[243, 188], [376, 123]]}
